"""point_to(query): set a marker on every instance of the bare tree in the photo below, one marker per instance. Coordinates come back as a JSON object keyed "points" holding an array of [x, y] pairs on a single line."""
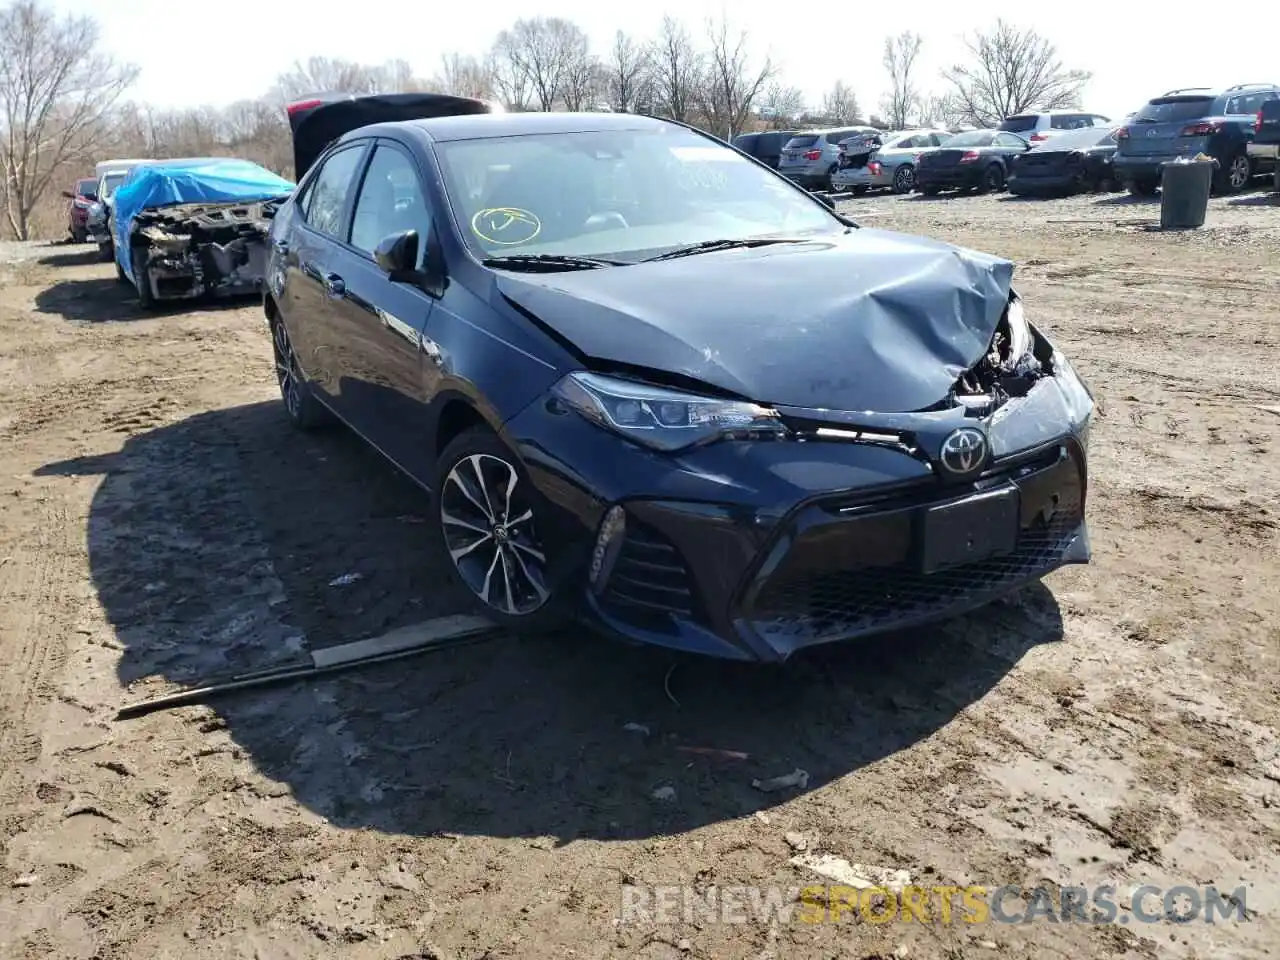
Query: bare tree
{"points": [[677, 71], [465, 76], [841, 104], [627, 74], [780, 105], [327, 75], [938, 110], [510, 82], [543, 50], [903, 100], [55, 96], [583, 85], [730, 83], [1012, 71]]}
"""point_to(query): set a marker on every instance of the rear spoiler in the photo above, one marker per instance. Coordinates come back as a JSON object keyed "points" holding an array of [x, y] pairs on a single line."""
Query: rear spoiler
{"points": [[316, 121]]}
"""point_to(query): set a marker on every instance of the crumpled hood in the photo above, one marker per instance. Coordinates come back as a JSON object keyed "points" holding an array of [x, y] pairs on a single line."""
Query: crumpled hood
{"points": [[871, 320]]}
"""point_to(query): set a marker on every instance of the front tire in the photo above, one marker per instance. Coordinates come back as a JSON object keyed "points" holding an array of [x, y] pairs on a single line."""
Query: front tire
{"points": [[491, 521]]}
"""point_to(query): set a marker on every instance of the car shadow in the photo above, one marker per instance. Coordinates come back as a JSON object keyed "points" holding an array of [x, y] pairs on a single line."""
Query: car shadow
{"points": [[1126, 200], [1263, 199], [105, 299], [77, 258], [218, 542]]}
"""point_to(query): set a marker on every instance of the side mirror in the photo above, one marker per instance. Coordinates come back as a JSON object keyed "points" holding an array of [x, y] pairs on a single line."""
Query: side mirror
{"points": [[397, 254], [68, 194]]}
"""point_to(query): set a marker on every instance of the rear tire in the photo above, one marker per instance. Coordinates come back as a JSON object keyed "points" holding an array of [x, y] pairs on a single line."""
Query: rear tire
{"points": [[1234, 175], [904, 178], [304, 410], [1142, 186], [992, 179], [491, 521]]}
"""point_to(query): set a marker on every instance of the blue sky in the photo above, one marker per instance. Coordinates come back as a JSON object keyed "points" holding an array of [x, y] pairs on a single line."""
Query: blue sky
{"points": [[232, 49]]}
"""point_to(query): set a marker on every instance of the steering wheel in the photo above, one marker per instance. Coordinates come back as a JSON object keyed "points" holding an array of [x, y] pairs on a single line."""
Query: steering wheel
{"points": [[602, 221]]}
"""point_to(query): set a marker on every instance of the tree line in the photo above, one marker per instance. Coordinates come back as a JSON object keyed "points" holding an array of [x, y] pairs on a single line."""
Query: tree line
{"points": [[64, 105]]}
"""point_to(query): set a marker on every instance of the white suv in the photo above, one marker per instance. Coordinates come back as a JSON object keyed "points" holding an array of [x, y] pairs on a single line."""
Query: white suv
{"points": [[1038, 127]]}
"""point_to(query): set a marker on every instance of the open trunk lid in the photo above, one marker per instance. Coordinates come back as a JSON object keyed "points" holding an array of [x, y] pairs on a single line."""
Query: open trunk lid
{"points": [[319, 120]]}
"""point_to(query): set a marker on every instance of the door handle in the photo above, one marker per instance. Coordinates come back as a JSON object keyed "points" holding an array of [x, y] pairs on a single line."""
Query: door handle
{"points": [[335, 286]]}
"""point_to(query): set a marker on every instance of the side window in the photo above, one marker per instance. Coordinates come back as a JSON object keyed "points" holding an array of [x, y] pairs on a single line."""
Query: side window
{"points": [[1100, 121], [1063, 121], [390, 201], [327, 198], [1007, 140]]}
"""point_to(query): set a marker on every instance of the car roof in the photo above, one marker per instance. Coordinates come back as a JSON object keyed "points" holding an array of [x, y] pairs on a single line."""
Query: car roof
{"points": [[480, 126]]}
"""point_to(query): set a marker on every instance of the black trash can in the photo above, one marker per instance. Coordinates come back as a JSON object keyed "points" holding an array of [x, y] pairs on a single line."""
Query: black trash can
{"points": [[1184, 193]]}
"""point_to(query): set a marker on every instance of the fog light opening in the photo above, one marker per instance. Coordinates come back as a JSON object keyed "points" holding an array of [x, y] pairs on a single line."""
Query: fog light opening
{"points": [[613, 529]]}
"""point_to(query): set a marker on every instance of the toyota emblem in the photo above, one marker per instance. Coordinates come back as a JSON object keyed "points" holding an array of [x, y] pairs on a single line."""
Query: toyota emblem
{"points": [[964, 451]]}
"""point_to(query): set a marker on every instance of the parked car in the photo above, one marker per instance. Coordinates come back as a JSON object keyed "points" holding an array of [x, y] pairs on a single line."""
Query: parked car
{"points": [[888, 160], [810, 158], [192, 228], [977, 160], [1078, 161], [580, 332], [765, 146], [1191, 121], [1264, 148], [99, 220], [1038, 127], [82, 197]]}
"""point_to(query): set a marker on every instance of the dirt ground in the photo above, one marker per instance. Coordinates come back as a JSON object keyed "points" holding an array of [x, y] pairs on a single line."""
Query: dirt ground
{"points": [[161, 524]]}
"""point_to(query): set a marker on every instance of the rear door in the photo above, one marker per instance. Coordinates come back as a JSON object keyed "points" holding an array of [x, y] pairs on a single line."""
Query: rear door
{"points": [[380, 323], [1009, 146], [309, 251], [1156, 128]]}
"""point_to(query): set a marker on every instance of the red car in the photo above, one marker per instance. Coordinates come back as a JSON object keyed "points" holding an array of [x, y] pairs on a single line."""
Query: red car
{"points": [[85, 195]]}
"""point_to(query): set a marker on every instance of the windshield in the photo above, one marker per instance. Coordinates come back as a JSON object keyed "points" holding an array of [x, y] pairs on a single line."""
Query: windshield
{"points": [[1174, 110], [974, 138], [86, 188], [617, 194], [1019, 124]]}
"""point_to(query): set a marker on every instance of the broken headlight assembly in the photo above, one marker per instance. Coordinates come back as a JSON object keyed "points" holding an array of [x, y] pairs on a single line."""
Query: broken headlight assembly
{"points": [[662, 418]]}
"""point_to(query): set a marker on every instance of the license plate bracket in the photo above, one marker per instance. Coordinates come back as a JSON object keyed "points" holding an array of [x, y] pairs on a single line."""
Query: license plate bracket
{"points": [[979, 528]]}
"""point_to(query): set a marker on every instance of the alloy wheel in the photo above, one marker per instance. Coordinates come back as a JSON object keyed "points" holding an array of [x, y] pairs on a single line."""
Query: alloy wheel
{"points": [[904, 179], [1238, 173], [287, 370], [489, 531]]}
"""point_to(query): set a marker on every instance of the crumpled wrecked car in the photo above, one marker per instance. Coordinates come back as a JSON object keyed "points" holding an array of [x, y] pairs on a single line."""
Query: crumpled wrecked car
{"points": [[186, 229], [654, 385]]}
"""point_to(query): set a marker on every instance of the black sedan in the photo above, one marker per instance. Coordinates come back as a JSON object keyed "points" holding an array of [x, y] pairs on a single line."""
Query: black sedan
{"points": [[652, 384], [974, 160], [1078, 161]]}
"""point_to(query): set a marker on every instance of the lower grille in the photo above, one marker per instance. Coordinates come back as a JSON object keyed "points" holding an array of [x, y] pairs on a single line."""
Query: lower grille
{"points": [[649, 576], [803, 603]]}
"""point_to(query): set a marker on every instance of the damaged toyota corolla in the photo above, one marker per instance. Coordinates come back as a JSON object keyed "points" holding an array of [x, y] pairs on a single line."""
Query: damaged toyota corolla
{"points": [[654, 386], [192, 228]]}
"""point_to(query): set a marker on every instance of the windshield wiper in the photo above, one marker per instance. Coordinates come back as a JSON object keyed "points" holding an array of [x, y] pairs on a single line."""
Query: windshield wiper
{"points": [[708, 246], [548, 262]]}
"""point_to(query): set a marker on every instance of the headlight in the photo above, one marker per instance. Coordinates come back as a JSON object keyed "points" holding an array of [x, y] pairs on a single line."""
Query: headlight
{"points": [[1019, 330], [661, 418]]}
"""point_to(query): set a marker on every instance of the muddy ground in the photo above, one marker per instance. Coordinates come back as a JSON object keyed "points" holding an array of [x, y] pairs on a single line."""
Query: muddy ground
{"points": [[162, 524]]}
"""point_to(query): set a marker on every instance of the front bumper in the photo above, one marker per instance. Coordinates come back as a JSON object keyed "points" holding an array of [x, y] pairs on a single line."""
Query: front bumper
{"points": [[752, 551]]}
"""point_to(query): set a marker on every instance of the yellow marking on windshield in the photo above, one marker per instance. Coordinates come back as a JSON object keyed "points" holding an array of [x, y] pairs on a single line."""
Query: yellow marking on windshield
{"points": [[506, 226]]}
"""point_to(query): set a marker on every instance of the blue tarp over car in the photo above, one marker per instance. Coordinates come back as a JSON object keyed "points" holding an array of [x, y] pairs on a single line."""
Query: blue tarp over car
{"points": [[214, 180]]}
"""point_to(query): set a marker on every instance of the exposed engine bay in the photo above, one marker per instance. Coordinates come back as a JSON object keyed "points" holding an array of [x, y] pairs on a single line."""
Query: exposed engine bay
{"points": [[195, 250], [1016, 359]]}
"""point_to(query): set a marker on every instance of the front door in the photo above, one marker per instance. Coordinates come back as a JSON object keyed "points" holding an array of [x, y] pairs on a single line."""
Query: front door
{"points": [[379, 323]]}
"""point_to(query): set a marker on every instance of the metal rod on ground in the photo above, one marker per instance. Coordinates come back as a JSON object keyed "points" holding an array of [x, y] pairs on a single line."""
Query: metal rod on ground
{"points": [[442, 633]]}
